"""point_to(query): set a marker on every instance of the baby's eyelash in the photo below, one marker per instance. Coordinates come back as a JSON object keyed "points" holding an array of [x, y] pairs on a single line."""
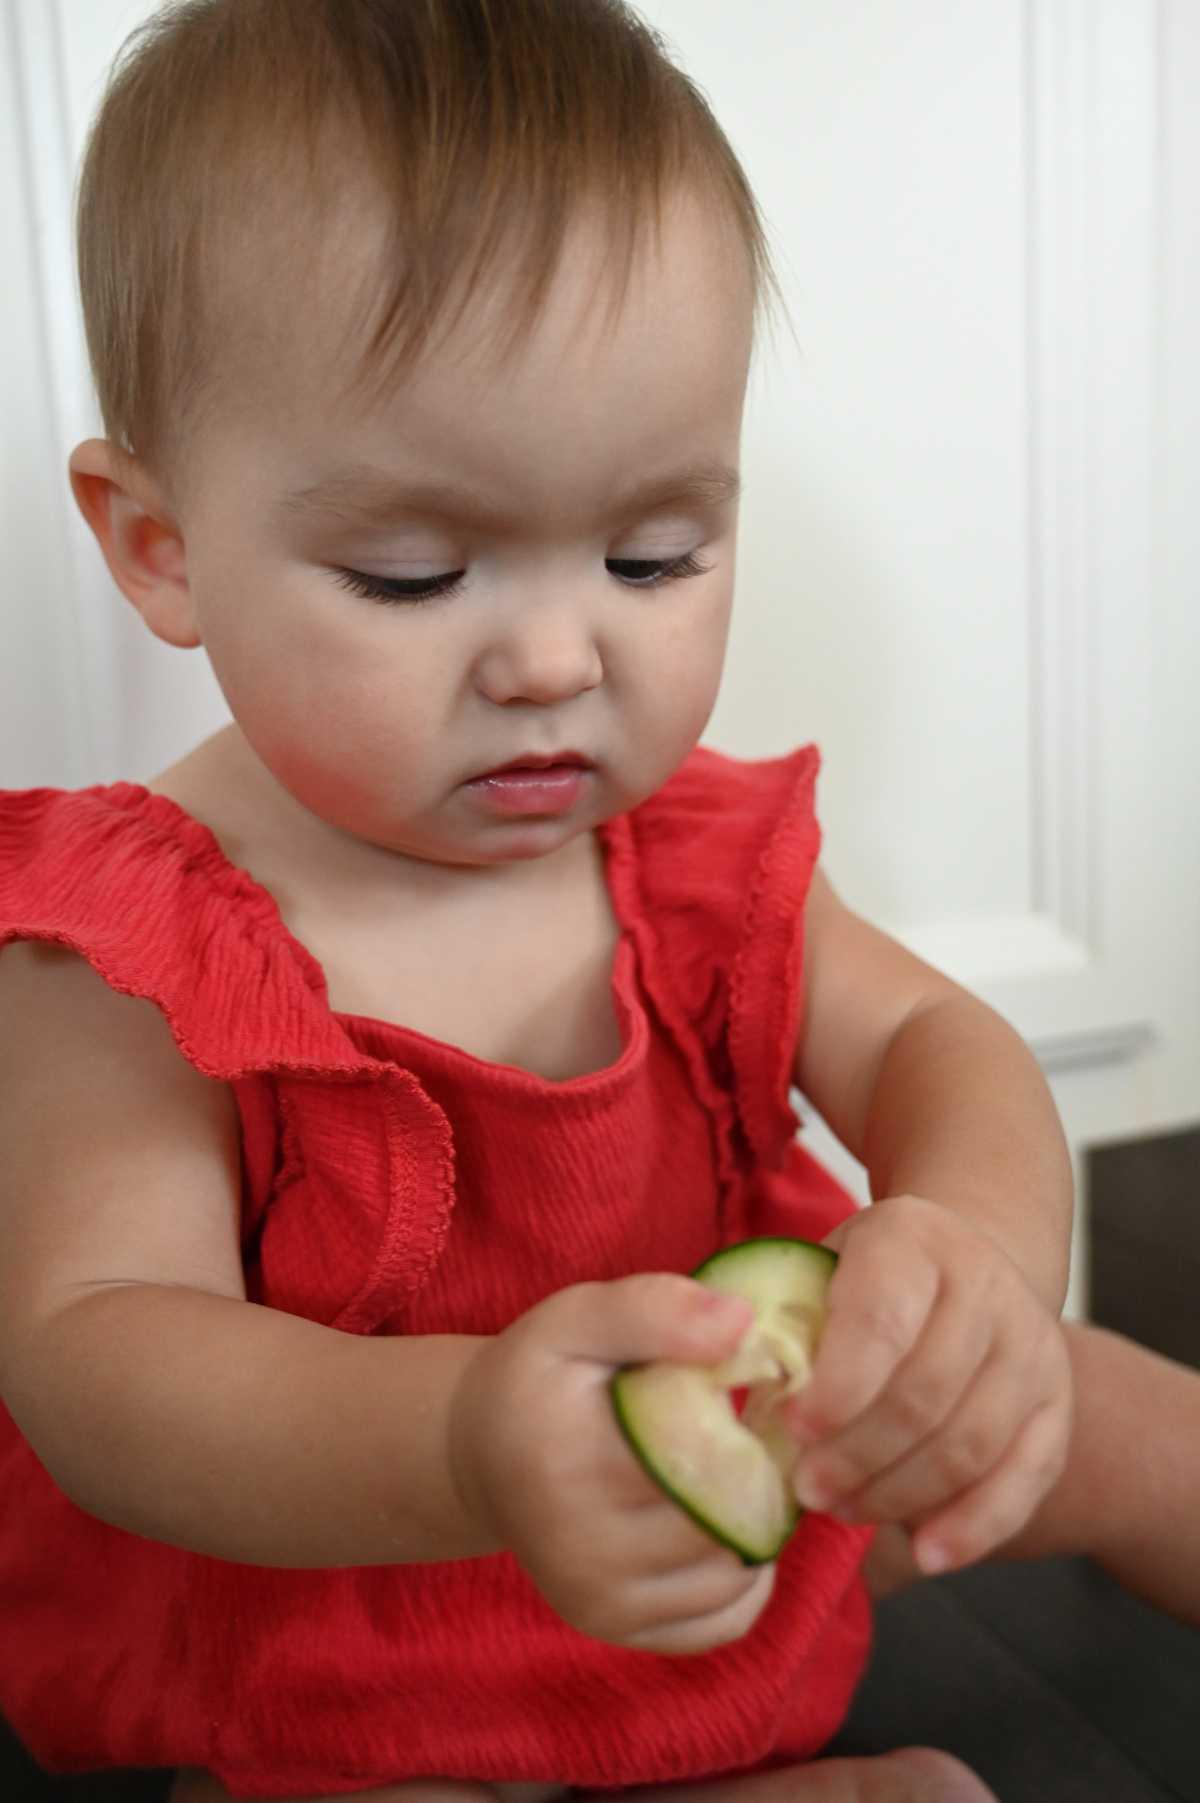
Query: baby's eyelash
{"points": [[654, 571], [635, 572], [397, 590]]}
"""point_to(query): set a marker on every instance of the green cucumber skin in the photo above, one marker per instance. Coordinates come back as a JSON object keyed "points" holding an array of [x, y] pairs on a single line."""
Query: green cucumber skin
{"points": [[742, 1248], [750, 1248]]}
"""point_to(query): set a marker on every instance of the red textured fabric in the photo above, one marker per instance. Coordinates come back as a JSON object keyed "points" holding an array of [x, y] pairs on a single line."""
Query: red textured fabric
{"points": [[393, 1184]]}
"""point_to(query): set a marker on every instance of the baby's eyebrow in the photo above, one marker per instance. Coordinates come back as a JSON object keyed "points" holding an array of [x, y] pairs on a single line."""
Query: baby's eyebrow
{"points": [[362, 495]]}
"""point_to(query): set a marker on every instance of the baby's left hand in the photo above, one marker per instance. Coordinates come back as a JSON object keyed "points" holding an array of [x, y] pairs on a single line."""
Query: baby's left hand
{"points": [[941, 1397]]}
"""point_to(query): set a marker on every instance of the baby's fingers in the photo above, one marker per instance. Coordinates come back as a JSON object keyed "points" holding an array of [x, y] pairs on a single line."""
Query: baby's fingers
{"points": [[961, 1450], [876, 1311], [991, 1512], [656, 1315], [920, 1399], [688, 1619]]}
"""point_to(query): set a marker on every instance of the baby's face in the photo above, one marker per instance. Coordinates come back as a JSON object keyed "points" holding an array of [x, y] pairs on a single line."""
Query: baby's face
{"points": [[489, 561]]}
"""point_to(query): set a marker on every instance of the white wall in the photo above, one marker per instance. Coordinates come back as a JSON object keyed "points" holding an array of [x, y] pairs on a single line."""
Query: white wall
{"points": [[970, 532], [132, 703]]}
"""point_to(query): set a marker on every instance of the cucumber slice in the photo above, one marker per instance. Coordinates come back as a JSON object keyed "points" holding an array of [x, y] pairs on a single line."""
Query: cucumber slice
{"points": [[732, 1474]]}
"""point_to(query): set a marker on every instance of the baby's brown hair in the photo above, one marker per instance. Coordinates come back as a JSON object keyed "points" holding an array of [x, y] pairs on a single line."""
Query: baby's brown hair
{"points": [[484, 125]]}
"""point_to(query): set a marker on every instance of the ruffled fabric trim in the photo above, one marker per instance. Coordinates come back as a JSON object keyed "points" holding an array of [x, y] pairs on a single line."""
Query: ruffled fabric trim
{"points": [[135, 885], [623, 863], [767, 987], [724, 856]]}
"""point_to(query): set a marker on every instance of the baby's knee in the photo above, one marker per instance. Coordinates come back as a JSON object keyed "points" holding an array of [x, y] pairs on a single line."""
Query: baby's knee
{"points": [[922, 1775]]}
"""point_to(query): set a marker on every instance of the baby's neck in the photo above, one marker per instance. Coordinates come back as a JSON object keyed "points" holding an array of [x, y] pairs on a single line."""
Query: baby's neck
{"points": [[511, 962]]}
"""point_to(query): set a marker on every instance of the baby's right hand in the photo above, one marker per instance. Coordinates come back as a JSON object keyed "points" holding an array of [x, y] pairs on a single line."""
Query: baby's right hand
{"points": [[541, 1464]]}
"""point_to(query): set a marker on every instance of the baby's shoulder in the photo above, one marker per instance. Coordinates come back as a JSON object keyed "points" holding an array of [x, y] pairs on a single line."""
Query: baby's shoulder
{"points": [[100, 1120], [60, 1014]]}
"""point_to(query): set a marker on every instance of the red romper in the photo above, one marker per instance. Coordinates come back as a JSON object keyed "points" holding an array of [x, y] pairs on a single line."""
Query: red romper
{"points": [[393, 1184]]}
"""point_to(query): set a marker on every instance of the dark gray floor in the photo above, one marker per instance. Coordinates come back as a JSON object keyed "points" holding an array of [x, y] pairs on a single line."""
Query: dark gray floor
{"points": [[1144, 1220], [22, 1782], [1047, 1680]]}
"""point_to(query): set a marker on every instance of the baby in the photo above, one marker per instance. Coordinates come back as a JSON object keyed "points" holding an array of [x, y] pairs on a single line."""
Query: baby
{"points": [[373, 1076]]}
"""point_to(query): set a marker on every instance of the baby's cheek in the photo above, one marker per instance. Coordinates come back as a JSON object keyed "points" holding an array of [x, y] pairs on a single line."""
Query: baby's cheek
{"points": [[691, 661]]}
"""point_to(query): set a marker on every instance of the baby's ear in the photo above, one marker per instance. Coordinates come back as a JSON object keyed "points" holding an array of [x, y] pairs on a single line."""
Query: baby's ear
{"points": [[139, 535]]}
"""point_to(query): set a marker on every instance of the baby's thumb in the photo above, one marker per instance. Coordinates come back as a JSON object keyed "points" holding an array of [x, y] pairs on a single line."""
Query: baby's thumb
{"points": [[658, 1315]]}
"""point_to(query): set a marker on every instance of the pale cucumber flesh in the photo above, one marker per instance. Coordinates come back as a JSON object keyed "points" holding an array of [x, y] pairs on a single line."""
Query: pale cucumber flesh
{"points": [[733, 1475]]}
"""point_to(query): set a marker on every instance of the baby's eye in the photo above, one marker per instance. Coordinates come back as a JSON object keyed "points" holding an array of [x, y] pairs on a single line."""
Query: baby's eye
{"points": [[638, 572], [649, 572], [399, 589]]}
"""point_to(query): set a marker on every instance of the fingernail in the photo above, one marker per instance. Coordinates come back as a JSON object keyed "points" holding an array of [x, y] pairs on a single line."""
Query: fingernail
{"points": [[933, 1556], [814, 1492], [735, 1309]]}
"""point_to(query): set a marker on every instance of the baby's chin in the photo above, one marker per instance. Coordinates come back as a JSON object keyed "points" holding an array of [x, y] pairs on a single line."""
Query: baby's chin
{"points": [[518, 842]]}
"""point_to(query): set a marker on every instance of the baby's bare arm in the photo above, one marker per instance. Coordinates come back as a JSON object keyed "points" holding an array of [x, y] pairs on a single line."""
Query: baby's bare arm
{"points": [[1128, 1494], [241, 1432], [933, 1091], [941, 1393], [158, 1397]]}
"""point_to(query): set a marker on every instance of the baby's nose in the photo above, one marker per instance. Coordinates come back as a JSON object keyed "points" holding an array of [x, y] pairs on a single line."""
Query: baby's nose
{"points": [[545, 655]]}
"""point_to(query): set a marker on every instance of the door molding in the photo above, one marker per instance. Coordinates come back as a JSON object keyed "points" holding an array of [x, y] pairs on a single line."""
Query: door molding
{"points": [[1094, 179]]}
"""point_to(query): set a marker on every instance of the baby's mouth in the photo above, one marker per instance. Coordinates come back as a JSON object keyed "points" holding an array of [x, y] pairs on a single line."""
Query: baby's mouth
{"points": [[547, 784], [534, 763]]}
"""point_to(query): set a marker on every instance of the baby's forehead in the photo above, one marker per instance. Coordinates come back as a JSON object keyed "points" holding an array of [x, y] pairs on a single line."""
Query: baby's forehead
{"points": [[556, 409], [300, 314]]}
